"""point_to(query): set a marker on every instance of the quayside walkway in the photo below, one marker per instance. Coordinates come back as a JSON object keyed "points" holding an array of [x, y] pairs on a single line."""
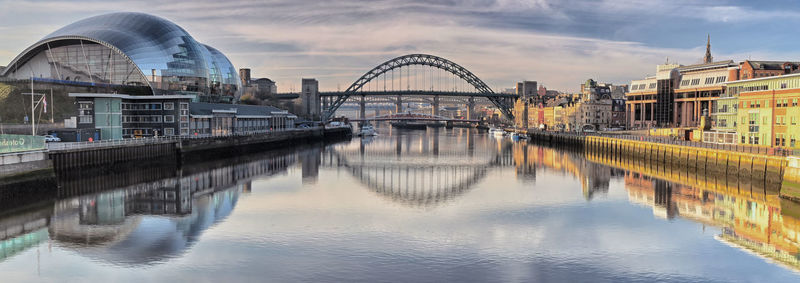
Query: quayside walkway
{"points": [[772, 165], [86, 154]]}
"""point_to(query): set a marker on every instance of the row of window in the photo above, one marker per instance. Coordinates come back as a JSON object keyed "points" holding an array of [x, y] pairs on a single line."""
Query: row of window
{"points": [[780, 120], [741, 89], [641, 86], [148, 119], [148, 132], [757, 103], [751, 139], [150, 106], [708, 81], [780, 140], [757, 75], [785, 102]]}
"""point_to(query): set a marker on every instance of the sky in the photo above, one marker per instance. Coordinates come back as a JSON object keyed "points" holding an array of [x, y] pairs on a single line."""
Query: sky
{"points": [[560, 44]]}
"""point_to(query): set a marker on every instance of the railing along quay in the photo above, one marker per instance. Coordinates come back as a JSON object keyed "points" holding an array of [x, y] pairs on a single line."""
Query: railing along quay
{"points": [[61, 146], [771, 151]]}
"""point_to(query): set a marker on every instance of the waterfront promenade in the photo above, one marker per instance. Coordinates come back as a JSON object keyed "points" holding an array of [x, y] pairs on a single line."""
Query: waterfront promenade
{"points": [[74, 155], [742, 162]]}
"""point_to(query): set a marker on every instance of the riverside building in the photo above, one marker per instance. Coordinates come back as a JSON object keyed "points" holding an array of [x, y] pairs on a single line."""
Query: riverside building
{"points": [[726, 120], [677, 96], [130, 53], [136, 75], [118, 116], [767, 110]]}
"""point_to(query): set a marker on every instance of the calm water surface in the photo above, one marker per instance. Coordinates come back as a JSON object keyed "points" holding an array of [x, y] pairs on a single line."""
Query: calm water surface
{"points": [[435, 206]]}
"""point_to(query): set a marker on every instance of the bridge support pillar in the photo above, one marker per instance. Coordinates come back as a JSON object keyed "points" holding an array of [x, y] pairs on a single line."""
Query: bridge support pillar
{"points": [[470, 107], [362, 107], [398, 107], [436, 141], [435, 106]]}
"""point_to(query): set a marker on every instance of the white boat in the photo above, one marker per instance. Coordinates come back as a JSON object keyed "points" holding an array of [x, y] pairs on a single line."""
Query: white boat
{"points": [[367, 130], [497, 132]]}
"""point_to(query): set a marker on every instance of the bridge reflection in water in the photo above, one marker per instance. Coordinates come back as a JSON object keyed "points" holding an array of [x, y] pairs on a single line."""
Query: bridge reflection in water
{"points": [[415, 169], [158, 218], [750, 215]]}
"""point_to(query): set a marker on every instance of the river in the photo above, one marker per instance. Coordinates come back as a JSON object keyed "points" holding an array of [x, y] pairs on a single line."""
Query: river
{"points": [[406, 206]]}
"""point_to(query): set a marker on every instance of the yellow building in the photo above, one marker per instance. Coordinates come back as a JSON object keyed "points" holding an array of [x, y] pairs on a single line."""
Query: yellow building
{"points": [[549, 117], [521, 114], [767, 110]]}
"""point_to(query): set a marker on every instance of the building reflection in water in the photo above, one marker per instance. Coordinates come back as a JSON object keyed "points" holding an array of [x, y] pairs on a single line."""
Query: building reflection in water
{"points": [[751, 217], [750, 214], [147, 222], [594, 178]]}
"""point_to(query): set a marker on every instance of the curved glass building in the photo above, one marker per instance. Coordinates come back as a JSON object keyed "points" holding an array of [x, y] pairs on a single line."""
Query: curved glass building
{"points": [[130, 51]]}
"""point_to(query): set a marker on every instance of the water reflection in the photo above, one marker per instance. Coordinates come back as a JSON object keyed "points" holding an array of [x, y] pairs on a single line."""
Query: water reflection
{"points": [[594, 177], [144, 222], [412, 169], [751, 215], [440, 205]]}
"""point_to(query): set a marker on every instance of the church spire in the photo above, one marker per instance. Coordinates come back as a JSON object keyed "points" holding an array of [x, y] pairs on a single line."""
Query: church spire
{"points": [[708, 58]]}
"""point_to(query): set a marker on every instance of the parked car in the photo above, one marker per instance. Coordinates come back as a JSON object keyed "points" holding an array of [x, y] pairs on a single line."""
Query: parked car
{"points": [[51, 138]]}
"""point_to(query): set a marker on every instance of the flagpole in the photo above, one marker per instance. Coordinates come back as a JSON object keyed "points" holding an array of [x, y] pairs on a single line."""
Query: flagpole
{"points": [[33, 113], [52, 110]]}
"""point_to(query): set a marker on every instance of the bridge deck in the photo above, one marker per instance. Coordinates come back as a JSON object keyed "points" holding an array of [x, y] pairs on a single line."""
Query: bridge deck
{"points": [[419, 92]]}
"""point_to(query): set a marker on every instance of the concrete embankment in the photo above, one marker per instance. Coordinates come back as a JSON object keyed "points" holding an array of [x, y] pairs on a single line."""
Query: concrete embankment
{"points": [[184, 149], [708, 161], [21, 163], [715, 161], [790, 187]]}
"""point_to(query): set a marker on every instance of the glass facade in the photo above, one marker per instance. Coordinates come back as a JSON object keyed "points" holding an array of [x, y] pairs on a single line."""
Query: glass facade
{"points": [[224, 78], [108, 117], [91, 62], [130, 49]]}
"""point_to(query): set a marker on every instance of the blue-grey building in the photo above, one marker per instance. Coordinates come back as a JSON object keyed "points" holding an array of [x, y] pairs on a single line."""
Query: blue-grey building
{"points": [[131, 53]]}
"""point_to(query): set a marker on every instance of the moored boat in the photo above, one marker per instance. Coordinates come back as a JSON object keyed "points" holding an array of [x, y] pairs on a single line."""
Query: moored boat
{"points": [[367, 130]]}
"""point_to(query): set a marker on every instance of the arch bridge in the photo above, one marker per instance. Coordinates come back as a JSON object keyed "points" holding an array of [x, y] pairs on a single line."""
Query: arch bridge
{"points": [[417, 75]]}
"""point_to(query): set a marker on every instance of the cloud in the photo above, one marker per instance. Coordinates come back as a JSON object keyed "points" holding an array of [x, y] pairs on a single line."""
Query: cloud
{"points": [[559, 43], [741, 14]]}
